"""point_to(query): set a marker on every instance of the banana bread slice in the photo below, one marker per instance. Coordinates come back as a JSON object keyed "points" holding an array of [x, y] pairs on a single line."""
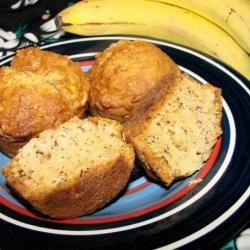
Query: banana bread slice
{"points": [[72, 170], [175, 126]]}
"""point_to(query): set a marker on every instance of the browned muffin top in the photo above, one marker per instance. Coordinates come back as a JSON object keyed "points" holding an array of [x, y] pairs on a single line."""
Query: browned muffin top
{"points": [[123, 73], [41, 90]]}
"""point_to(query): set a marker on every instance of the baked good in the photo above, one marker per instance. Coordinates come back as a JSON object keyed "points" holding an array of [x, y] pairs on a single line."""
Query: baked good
{"points": [[36, 60], [175, 126], [39, 91], [123, 73], [72, 170]]}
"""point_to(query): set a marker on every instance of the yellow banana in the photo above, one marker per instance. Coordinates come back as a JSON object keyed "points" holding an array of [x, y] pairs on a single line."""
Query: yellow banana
{"points": [[155, 19], [233, 16]]}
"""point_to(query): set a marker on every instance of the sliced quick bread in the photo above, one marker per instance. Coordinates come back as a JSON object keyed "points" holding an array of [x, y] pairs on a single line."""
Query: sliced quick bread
{"points": [[175, 126], [72, 170]]}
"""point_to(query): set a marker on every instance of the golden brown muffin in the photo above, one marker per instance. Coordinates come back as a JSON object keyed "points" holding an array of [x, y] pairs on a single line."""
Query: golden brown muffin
{"points": [[122, 74], [40, 91]]}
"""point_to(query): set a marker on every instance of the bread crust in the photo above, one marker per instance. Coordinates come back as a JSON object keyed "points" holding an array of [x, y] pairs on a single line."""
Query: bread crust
{"points": [[39, 91], [122, 74], [135, 122], [11, 145], [91, 192]]}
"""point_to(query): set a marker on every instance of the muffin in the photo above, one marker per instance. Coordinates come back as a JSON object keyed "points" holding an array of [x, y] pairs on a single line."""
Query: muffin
{"points": [[39, 91], [122, 74], [74, 169], [174, 127]]}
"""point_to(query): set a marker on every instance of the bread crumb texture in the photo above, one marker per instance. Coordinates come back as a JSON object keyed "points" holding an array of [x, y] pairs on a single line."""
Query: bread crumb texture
{"points": [[177, 136], [59, 171]]}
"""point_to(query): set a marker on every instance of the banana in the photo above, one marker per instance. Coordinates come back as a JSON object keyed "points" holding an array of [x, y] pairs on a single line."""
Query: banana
{"points": [[231, 15], [152, 18]]}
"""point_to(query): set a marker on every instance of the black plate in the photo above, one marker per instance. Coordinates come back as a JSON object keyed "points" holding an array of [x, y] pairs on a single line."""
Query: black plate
{"points": [[189, 214]]}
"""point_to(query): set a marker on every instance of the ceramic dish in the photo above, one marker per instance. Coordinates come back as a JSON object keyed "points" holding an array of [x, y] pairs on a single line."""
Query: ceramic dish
{"points": [[204, 210]]}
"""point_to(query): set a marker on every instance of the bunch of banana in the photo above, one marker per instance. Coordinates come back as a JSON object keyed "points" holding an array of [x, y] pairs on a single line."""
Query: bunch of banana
{"points": [[217, 28], [230, 15]]}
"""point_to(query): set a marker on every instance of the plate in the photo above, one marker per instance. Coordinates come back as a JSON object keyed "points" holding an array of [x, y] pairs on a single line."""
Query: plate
{"points": [[191, 213]]}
